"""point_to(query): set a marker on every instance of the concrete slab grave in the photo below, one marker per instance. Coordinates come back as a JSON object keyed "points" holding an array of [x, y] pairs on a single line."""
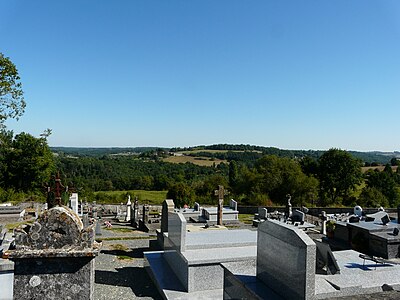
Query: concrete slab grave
{"points": [[195, 257], [286, 269]]}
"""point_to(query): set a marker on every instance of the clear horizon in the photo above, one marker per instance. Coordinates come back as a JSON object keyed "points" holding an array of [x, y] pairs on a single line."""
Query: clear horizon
{"points": [[287, 74]]}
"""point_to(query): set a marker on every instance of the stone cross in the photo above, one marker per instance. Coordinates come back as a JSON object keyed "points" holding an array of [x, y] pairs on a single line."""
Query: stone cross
{"points": [[220, 193]]}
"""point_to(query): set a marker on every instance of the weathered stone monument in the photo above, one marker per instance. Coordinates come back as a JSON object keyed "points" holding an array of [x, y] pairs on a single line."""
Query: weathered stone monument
{"points": [[220, 193], [135, 213], [167, 206], [54, 258], [6, 266], [288, 211]]}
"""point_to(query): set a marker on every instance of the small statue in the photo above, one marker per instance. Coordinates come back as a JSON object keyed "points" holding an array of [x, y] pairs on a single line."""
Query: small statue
{"points": [[288, 207]]}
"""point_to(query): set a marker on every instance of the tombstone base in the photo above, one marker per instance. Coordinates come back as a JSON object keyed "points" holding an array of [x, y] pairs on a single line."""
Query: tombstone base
{"points": [[56, 278]]}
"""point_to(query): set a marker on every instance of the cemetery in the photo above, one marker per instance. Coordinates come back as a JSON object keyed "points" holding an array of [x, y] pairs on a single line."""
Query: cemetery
{"points": [[196, 253]]}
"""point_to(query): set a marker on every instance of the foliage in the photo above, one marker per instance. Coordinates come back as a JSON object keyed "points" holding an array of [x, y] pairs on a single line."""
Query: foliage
{"points": [[26, 162], [12, 104], [370, 157], [372, 197], [338, 174], [330, 225], [182, 194], [115, 197], [394, 161], [282, 176], [385, 183], [251, 181]]}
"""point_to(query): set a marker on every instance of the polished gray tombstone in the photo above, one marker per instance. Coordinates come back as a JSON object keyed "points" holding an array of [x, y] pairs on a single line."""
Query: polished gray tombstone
{"points": [[193, 258], [233, 204], [286, 260], [262, 213]]}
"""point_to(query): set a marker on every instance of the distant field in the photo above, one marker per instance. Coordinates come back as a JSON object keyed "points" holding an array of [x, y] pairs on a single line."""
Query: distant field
{"points": [[115, 197], [380, 168], [215, 151], [200, 161]]}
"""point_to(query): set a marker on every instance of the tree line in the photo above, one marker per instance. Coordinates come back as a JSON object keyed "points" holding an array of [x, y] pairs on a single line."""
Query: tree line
{"points": [[254, 176]]}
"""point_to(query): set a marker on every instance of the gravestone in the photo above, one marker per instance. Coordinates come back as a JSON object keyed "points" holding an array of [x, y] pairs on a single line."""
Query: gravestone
{"points": [[358, 211], [135, 213], [37, 210], [326, 261], [220, 193], [98, 226], [288, 211], [54, 257], [286, 259], [233, 204], [146, 210], [85, 220], [262, 213], [94, 210], [324, 218], [73, 202], [128, 209], [167, 206], [298, 216], [80, 213]]}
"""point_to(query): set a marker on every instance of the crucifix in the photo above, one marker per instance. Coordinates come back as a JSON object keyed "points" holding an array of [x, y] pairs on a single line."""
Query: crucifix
{"points": [[54, 192], [220, 193]]}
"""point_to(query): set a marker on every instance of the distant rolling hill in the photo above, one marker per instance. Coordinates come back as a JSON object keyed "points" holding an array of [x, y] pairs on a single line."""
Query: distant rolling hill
{"points": [[208, 155]]}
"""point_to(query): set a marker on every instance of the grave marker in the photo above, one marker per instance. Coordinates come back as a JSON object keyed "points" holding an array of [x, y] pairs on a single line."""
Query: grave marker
{"points": [[54, 257], [220, 193]]}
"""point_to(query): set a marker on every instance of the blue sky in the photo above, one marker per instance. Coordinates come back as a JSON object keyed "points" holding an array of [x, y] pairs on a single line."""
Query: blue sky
{"points": [[297, 74]]}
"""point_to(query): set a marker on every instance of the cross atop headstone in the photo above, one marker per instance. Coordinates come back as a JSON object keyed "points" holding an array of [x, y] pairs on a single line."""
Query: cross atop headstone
{"points": [[54, 191], [220, 193]]}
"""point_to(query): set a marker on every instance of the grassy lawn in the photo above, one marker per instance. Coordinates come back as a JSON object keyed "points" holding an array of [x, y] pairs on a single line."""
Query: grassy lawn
{"points": [[116, 197], [200, 161], [12, 226], [246, 218], [120, 229]]}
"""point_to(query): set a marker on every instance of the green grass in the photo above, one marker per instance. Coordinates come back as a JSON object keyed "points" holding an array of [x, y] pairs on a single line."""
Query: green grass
{"points": [[12, 226], [198, 160], [144, 197], [120, 229], [246, 218], [119, 247], [124, 257], [126, 238]]}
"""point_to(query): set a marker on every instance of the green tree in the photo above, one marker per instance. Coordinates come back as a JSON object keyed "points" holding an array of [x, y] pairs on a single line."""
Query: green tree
{"points": [[204, 189], [281, 176], [182, 194], [12, 104], [233, 175], [385, 182], [27, 163], [394, 161], [372, 197], [339, 173]]}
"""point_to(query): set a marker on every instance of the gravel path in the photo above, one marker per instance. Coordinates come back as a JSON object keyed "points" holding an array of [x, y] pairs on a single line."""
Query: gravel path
{"points": [[119, 271]]}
